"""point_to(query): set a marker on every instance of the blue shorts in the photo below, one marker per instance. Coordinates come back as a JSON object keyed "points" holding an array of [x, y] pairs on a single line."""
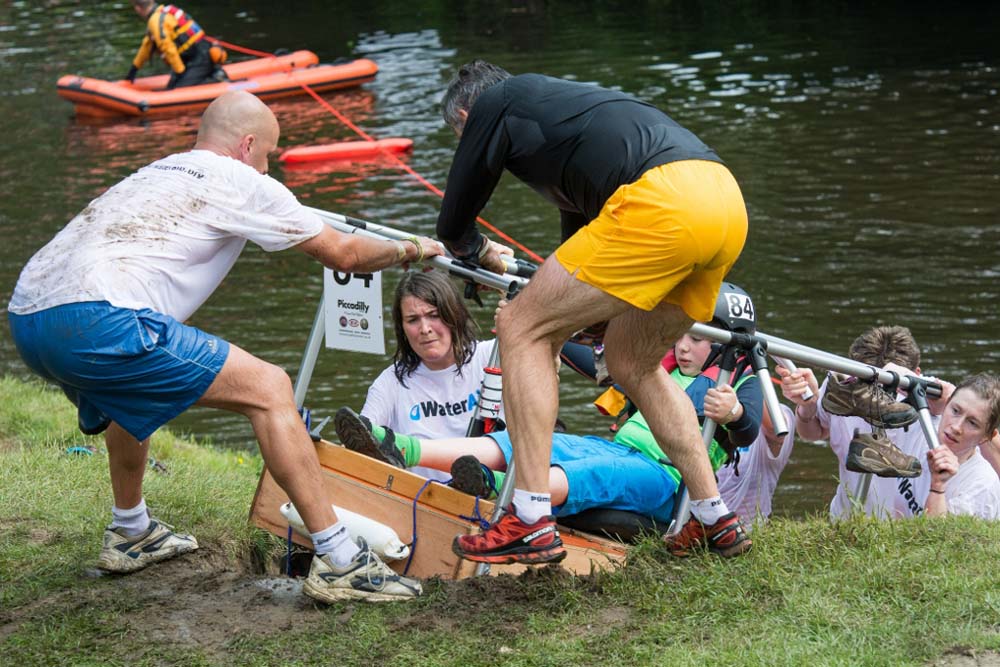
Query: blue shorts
{"points": [[605, 474], [138, 368]]}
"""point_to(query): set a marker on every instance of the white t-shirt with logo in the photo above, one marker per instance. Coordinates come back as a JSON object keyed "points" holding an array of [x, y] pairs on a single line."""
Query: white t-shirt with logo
{"points": [[888, 497], [749, 493], [433, 404], [165, 237]]}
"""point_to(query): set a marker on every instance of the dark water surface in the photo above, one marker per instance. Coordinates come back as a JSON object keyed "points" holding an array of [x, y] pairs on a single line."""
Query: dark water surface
{"points": [[866, 140]]}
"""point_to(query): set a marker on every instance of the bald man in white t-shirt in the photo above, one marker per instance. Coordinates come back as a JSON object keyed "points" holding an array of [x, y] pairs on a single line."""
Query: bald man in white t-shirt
{"points": [[99, 311]]}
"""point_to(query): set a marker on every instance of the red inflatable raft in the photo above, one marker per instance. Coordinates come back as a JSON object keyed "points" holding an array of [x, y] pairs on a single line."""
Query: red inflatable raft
{"points": [[267, 78], [345, 150]]}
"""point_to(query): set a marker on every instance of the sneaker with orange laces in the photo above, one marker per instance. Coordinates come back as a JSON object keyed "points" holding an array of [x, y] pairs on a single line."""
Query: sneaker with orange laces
{"points": [[726, 537], [510, 540]]}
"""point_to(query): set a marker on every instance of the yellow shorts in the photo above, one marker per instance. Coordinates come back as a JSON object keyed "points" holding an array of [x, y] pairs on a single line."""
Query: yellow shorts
{"points": [[670, 236]]}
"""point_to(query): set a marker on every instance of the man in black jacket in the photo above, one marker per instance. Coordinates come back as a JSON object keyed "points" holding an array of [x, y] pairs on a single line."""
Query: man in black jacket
{"points": [[651, 223]]}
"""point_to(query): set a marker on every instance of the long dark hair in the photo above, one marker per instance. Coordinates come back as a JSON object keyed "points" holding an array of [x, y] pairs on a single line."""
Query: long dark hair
{"points": [[435, 288]]}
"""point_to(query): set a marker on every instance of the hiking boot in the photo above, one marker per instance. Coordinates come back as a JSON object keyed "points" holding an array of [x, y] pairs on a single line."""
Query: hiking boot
{"points": [[365, 578], [510, 540], [847, 396], [123, 554], [356, 433], [876, 454], [726, 537], [470, 476]]}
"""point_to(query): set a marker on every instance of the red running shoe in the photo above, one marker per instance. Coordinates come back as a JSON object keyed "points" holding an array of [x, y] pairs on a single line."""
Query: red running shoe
{"points": [[726, 537], [510, 540]]}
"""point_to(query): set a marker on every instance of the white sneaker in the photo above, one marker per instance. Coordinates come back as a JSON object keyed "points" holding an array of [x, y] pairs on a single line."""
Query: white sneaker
{"points": [[365, 578], [124, 554]]}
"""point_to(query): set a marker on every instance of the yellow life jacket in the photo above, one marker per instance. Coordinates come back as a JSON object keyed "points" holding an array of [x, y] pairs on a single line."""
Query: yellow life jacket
{"points": [[172, 32]]}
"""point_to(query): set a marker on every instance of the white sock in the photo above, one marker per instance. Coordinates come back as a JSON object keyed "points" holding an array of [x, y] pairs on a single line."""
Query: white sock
{"points": [[531, 505], [709, 510], [134, 521], [336, 542]]}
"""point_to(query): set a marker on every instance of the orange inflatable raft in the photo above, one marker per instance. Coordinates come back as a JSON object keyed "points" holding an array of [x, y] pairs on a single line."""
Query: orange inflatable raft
{"points": [[345, 150], [267, 78]]}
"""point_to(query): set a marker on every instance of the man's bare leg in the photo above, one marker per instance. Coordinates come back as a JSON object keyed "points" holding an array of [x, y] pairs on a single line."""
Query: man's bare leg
{"points": [[127, 459], [263, 392], [634, 345], [531, 329], [133, 541]]}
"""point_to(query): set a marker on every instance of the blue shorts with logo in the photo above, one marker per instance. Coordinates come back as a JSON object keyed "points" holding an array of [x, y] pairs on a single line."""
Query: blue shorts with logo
{"points": [[138, 368], [605, 474]]}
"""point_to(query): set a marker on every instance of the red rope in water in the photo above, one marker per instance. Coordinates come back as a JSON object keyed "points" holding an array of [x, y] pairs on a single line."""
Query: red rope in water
{"points": [[402, 165], [242, 49]]}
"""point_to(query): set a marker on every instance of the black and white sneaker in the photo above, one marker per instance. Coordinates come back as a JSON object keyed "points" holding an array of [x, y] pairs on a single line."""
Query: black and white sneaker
{"points": [[365, 578], [123, 554]]}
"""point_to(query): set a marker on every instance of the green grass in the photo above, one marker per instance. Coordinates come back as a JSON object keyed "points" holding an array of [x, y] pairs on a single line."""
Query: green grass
{"points": [[811, 593], [53, 504]]}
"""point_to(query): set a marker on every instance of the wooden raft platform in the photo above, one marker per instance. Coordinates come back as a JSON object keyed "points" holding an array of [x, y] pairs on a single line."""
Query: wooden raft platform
{"points": [[385, 493]]}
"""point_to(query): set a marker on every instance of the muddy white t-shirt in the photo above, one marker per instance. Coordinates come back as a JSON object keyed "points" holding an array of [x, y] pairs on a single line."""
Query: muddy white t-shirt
{"points": [[749, 493], [165, 237]]}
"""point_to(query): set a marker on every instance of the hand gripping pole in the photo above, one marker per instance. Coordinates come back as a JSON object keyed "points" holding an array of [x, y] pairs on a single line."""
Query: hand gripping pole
{"points": [[518, 270]]}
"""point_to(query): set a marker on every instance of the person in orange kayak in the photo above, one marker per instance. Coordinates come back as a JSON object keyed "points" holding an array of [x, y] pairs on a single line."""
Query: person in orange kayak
{"points": [[180, 41]]}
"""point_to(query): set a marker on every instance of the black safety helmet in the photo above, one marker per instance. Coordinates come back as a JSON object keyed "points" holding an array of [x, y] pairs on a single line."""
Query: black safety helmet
{"points": [[734, 310]]}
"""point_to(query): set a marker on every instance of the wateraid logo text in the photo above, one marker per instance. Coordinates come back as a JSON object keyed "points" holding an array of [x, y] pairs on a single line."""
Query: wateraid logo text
{"points": [[434, 409]]}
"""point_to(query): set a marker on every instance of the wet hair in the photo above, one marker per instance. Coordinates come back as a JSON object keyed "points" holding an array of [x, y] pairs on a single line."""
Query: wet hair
{"points": [[143, 3], [987, 387], [463, 91], [883, 344], [435, 288]]}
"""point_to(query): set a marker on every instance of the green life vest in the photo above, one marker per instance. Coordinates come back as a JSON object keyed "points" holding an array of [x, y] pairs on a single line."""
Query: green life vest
{"points": [[635, 433]]}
